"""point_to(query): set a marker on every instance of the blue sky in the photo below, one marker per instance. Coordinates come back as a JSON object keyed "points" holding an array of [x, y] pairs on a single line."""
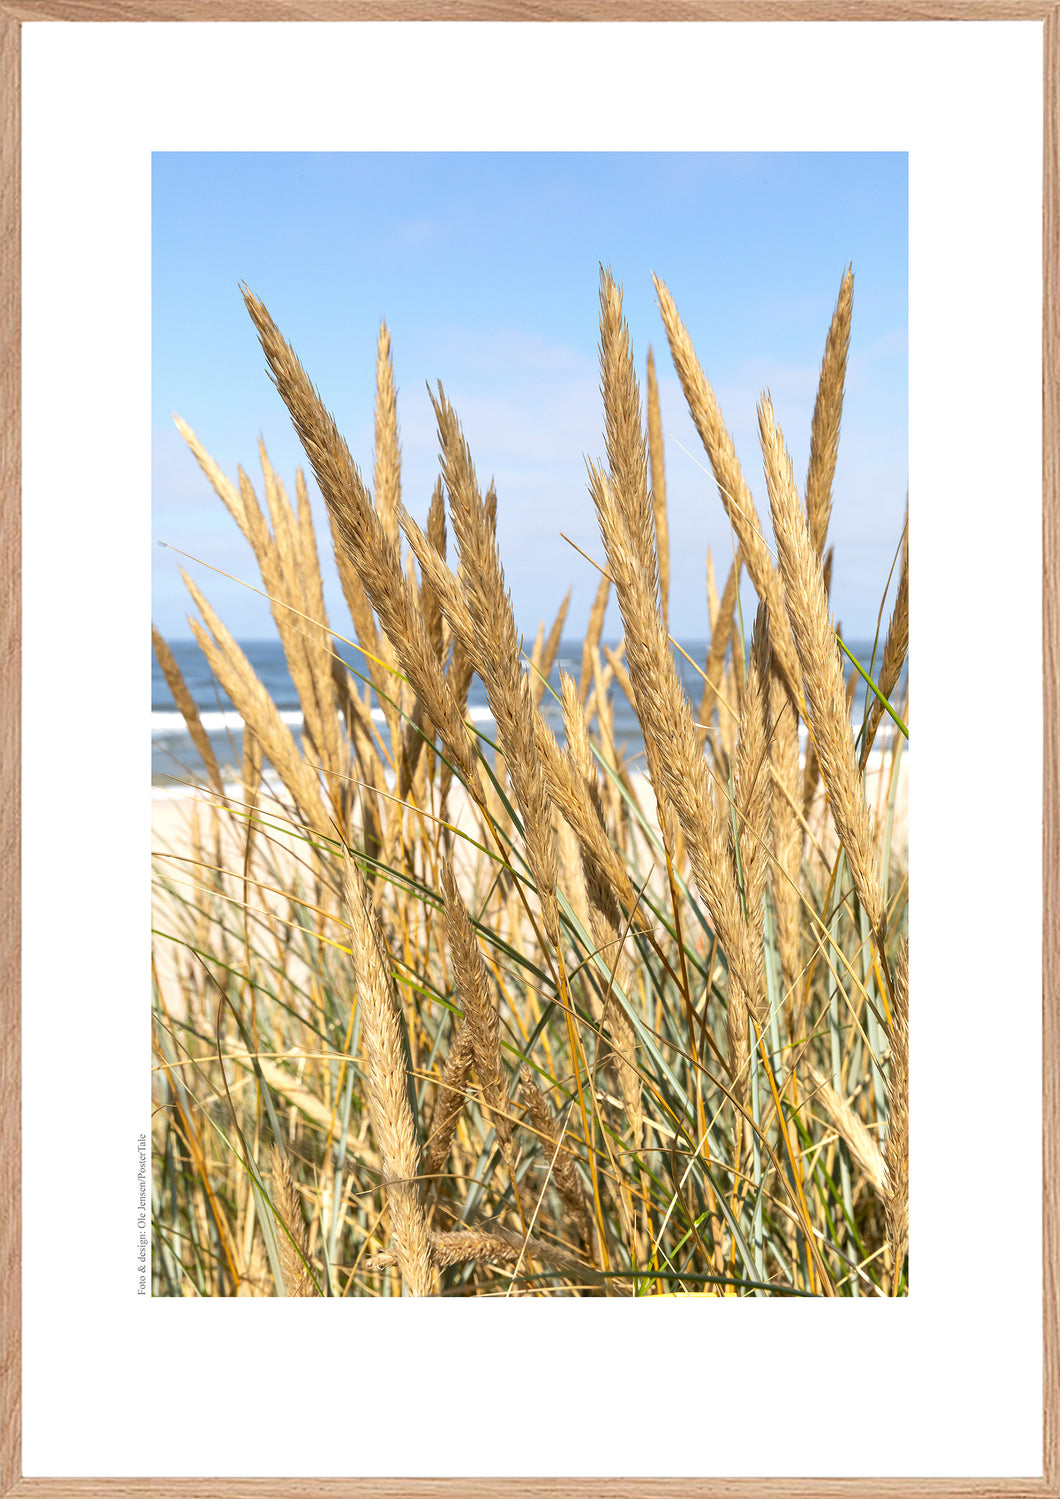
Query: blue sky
{"points": [[485, 267]]}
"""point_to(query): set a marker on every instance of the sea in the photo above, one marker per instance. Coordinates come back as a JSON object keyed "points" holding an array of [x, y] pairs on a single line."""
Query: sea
{"points": [[175, 763]]}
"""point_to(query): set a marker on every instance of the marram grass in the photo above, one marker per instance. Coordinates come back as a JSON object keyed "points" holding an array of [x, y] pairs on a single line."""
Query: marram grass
{"points": [[436, 1014]]}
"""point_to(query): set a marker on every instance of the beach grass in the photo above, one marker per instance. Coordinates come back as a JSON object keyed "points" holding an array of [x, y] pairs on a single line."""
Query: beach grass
{"points": [[441, 1012]]}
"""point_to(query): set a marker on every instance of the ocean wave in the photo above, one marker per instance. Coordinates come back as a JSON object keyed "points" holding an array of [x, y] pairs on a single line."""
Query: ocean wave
{"points": [[165, 725]]}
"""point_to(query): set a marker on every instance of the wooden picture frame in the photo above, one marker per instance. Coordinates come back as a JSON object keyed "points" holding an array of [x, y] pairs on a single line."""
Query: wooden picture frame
{"points": [[13, 14]]}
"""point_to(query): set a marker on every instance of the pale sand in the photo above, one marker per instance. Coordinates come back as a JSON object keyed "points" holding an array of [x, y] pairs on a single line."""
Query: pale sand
{"points": [[181, 821], [173, 819]]}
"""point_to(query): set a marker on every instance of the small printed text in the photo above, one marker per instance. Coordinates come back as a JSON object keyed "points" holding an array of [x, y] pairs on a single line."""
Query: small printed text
{"points": [[141, 1215]]}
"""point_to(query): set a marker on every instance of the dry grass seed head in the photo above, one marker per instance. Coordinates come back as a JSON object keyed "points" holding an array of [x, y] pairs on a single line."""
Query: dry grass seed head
{"points": [[786, 774], [258, 711], [546, 1126], [543, 658], [827, 413], [896, 1150], [591, 643], [852, 1130], [360, 531], [291, 1234], [675, 761], [658, 489], [223, 486], [819, 659], [188, 710], [294, 590], [387, 1085], [480, 1010], [449, 1101], [496, 646], [752, 792], [387, 474], [720, 637], [735, 494]]}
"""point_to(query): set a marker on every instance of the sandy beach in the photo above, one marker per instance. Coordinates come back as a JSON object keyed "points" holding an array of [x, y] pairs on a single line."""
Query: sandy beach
{"points": [[182, 821], [173, 814]]}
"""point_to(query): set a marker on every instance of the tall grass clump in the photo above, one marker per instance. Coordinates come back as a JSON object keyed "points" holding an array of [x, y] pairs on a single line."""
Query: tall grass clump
{"points": [[445, 1013]]}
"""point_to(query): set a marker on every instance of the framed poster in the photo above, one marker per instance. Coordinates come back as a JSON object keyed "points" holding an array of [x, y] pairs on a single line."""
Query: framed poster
{"points": [[276, 1131]]}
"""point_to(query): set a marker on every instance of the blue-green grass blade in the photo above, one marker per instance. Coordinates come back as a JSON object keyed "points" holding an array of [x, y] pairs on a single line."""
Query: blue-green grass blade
{"points": [[871, 685]]}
